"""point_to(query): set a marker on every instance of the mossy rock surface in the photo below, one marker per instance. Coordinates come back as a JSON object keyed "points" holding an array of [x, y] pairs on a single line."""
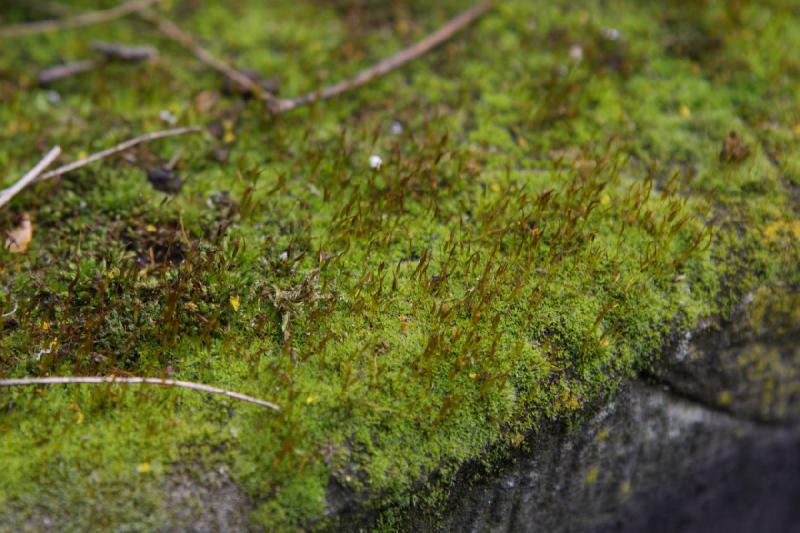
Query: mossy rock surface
{"points": [[566, 187]]}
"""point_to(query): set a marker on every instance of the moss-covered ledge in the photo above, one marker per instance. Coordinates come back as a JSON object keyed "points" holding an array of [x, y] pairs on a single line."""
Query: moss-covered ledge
{"points": [[565, 187]]}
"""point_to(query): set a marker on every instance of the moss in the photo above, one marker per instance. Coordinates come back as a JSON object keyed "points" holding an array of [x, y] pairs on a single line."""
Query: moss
{"points": [[554, 200]]}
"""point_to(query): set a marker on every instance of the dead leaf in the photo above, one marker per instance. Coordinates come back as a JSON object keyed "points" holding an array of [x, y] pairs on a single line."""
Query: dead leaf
{"points": [[18, 238], [205, 100]]}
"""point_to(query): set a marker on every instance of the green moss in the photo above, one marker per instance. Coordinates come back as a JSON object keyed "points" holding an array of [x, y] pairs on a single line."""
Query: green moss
{"points": [[534, 232]]}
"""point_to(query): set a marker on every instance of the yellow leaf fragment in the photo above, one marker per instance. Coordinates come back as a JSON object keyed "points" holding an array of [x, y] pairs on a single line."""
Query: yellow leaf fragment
{"points": [[592, 475], [229, 136], [236, 302]]}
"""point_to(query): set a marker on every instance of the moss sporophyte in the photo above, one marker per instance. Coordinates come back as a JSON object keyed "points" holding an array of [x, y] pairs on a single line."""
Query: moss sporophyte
{"points": [[410, 296]]}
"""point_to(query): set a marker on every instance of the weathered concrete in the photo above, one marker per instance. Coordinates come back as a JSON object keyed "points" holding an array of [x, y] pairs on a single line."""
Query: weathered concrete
{"points": [[648, 461]]}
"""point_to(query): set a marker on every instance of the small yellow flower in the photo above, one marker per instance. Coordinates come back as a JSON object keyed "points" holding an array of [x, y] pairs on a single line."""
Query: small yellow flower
{"points": [[143, 468], [605, 199], [685, 111], [151, 228], [236, 302], [313, 398], [46, 325]]}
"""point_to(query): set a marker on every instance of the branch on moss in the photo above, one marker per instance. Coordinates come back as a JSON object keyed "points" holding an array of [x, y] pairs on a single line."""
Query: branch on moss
{"points": [[171, 30], [121, 147], [283, 105], [7, 194], [445, 33], [78, 21], [26, 382]]}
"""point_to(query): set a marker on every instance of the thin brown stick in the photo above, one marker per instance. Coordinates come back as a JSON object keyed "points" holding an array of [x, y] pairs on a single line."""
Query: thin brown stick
{"points": [[7, 194], [78, 21], [170, 30], [446, 32], [124, 52], [283, 105], [121, 147], [68, 70], [23, 382]]}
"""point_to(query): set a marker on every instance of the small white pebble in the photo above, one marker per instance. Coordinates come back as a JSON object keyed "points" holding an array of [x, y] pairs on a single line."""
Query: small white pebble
{"points": [[396, 128], [612, 34], [38, 355], [53, 97], [168, 117], [576, 53], [375, 162]]}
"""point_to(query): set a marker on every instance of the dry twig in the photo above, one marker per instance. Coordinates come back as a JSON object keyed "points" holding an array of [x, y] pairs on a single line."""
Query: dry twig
{"points": [[22, 382], [121, 147], [124, 52], [68, 70], [446, 32], [283, 105], [7, 194], [78, 21], [172, 31], [110, 52]]}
